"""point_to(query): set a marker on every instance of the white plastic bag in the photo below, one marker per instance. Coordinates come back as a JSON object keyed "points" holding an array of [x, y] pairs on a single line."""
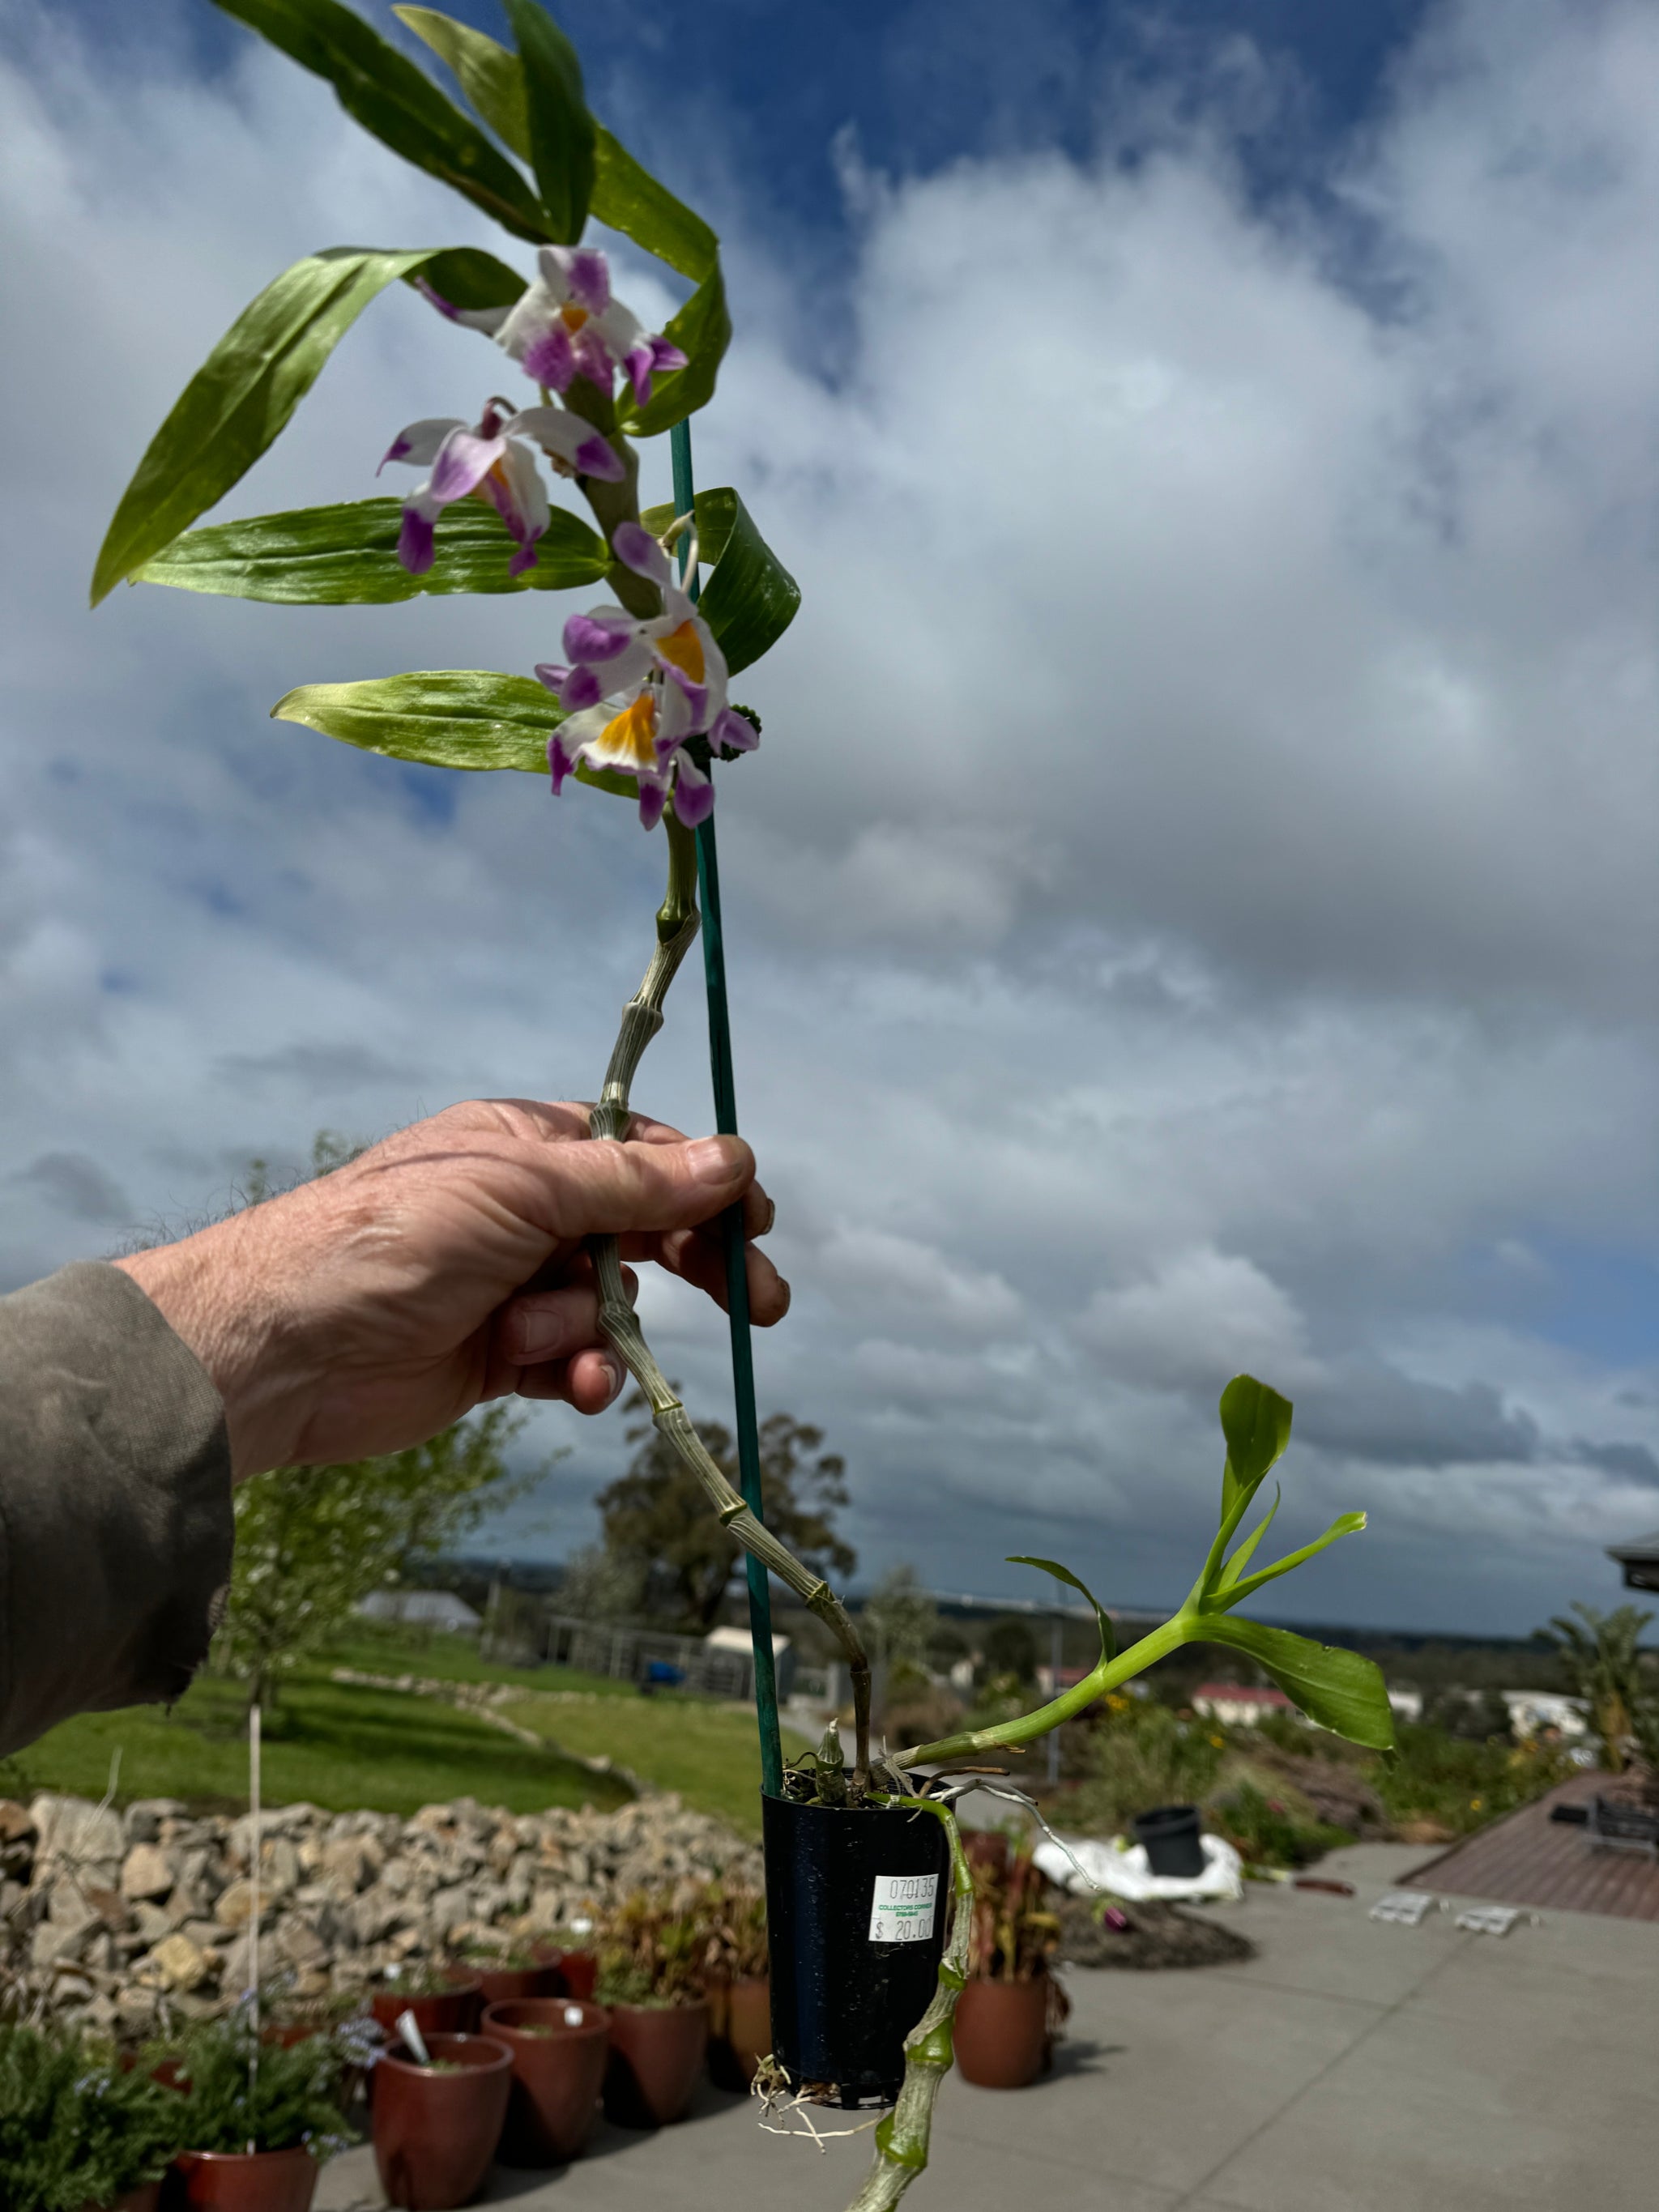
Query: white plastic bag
{"points": [[1086, 1866]]}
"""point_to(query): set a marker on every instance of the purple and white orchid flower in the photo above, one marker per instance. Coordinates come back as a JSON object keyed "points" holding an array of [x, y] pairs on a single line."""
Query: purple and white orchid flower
{"points": [[567, 325], [635, 689], [493, 461]]}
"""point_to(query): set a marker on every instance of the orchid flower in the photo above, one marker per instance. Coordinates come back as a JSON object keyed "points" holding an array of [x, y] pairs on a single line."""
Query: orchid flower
{"points": [[634, 689], [493, 462], [567, 325]]}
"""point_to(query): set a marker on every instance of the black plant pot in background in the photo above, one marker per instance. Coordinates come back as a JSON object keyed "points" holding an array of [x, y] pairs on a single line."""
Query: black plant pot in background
{"points": [[844, 1999], [1171, 1835]]}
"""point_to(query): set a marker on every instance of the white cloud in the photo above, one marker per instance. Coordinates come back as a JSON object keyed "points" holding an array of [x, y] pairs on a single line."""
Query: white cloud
{"points": [[1193, 904], [1204, 1316]]}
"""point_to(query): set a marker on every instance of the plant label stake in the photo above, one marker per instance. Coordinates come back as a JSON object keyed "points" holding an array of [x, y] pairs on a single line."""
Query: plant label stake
{"points": [[409, 2029], [253, 1761]]}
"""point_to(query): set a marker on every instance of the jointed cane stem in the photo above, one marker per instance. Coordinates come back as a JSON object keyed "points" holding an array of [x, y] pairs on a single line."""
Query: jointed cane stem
{"points": [[901, 2139], [677, 922]]}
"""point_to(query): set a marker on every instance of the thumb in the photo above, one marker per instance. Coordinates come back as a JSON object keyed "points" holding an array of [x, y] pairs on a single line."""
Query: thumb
{"points": [[606, 1187]]}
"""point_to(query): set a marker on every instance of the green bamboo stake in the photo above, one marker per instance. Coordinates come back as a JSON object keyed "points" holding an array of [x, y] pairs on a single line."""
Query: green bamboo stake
{"points": [[737, 1273]]}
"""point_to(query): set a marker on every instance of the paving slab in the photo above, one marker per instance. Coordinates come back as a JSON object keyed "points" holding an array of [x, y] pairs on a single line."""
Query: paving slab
{"points": [[1350, 2067]]}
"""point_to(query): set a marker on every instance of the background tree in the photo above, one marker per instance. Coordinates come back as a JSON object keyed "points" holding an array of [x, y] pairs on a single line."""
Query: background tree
{"points": [[600, 1584], [656, 1516], [312, 1541], [1599, 1654], [1010, 1652], [901, 1625]]}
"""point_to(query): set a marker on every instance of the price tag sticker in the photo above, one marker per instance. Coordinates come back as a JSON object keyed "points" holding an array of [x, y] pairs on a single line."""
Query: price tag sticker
{"points": [[902, 1910]]}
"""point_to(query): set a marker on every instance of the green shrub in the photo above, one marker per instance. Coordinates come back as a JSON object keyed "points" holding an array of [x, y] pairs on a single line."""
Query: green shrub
{"points": [[292, 2096], [1267, 1832], [74, 2129], [1458, 1785], [1143, 1754]]}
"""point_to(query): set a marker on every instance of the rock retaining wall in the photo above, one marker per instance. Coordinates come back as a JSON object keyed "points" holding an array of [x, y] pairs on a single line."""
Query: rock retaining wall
{"points": [[112, 1917]]}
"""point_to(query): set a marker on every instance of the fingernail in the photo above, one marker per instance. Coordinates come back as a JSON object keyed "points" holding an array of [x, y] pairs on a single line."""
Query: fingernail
{"points": [[713, 1159], [770, 1222], [619, 1376], [787, 1294]]}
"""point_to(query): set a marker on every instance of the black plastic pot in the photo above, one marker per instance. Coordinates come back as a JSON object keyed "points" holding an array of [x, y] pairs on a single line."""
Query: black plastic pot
{"points": [[844, 1999], [1170, 1834]]}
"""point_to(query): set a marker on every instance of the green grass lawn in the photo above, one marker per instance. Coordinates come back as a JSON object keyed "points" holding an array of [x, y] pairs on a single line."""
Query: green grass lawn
{"points": [[338, 1747], [707, 1753], [448, 1658]]}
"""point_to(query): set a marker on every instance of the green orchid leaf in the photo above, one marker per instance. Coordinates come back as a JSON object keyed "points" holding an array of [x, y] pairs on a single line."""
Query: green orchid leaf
{"points": [[1241, 1558], [1108, 1634], [396, 102], [702, 330], [752, 598], [1337, 1688], [467, 278], [1345, 1524], [1256, 1422], [464, 718], [347, 556], [487, 73], [626, 195], [239, 400], [561, 128], [715, 512], [629, 198]]}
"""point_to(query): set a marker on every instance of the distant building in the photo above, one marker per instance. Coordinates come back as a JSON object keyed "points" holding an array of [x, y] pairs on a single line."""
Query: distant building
{"points": [[421, 1609], [1532, 1711], [1640, 1560], [1235, 1705], [1405, 1704], [1051, 1680], [739, 1643]]}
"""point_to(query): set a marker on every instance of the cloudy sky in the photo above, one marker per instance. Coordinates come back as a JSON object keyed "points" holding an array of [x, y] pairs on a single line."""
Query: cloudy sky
{"points": [[1194, 908]]}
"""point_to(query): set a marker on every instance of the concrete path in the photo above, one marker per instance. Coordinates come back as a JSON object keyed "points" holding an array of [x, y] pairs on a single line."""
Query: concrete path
{"points": [[1351, 2067]]}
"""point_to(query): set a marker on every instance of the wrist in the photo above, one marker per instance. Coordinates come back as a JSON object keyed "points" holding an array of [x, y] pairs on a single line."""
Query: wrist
{"points": [[219, 1294]]}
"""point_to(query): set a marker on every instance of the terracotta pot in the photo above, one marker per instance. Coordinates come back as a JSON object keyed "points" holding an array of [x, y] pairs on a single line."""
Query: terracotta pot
{"points": [[435, 2134], [556, 2076], [245, 2181], [287, 2033], [656, 2055], [740, 2030], [578, 1974], [986, 1847], [454, 2011], [509, 1984], [135, 2200], [1001, 2033]]}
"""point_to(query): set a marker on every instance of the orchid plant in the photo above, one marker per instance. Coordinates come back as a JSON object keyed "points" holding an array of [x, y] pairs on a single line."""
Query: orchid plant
{"points": [[636, 705]]}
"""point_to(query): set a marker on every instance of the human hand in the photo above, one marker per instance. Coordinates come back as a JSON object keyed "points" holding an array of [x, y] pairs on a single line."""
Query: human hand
{"points": [[369, 1309]]}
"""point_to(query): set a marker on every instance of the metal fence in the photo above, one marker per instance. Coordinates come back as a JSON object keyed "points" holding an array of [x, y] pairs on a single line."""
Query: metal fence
{"points": [[628, 1655]]}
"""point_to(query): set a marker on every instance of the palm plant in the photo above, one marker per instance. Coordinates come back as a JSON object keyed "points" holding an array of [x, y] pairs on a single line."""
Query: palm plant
{"points": [[1598, 1653]]}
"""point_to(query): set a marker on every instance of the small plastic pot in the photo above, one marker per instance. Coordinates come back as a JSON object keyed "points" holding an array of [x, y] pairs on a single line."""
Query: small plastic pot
{"points": [[857, 1904], [1172, 1837], [244, 2181], [657, 2053], [558, 2072], [454, 2011], [740, 2033], [435, 2134], [510, 1985], [1001, 2033]]}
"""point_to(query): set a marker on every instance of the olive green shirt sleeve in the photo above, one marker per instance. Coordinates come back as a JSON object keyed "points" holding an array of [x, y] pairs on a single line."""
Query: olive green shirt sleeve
{"points": [[115, 1512]]}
